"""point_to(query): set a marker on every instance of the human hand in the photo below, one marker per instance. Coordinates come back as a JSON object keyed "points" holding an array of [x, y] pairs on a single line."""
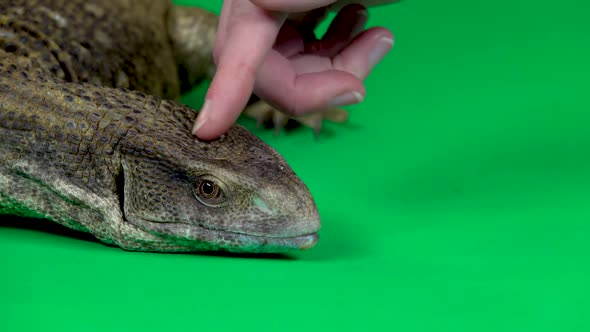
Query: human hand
{"points": [[268, 46]]}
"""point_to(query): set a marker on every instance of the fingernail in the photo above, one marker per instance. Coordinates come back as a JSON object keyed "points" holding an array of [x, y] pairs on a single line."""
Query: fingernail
{"points": [[348, 98], [380, 50], [202, 117]]}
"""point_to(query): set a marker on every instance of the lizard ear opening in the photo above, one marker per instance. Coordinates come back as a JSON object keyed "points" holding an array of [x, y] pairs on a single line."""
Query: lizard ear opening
{"points": [[120, 187]]}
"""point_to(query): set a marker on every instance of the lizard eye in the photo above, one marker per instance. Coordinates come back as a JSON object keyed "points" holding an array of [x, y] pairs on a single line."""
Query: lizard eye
{"points": [[208, 192], [208, 189]]}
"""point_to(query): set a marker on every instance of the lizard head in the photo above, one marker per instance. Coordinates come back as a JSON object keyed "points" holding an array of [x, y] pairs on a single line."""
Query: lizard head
{"points": [[235, 194]]}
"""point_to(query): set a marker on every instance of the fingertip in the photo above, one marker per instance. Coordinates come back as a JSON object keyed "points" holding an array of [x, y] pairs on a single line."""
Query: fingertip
{"points": [[365, 52], [347, 98], [201, 120], [381, 48], [213, 122], [209, 131], [386, 34], [209, 134]]}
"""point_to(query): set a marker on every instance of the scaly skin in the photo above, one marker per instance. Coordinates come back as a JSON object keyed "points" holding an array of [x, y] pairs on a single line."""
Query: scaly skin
{"points": [[82, 149]]}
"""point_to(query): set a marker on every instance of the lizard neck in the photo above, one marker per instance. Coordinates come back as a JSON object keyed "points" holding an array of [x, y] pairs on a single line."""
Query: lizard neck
{"points": [[120, 44]]}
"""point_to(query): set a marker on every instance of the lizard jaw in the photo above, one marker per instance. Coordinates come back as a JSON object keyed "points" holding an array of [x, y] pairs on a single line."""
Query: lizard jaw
{"points": [[199, 238]]}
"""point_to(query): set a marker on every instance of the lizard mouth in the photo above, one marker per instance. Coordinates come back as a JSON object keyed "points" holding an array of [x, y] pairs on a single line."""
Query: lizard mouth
{"points": [[203, 238]]}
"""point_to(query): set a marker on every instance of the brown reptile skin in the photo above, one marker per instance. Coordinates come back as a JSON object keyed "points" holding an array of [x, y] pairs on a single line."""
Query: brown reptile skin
{"points": [[90, 137]]}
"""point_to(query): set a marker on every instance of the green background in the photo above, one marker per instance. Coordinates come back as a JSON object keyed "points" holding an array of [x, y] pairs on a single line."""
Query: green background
{"points": [[456, 198]]}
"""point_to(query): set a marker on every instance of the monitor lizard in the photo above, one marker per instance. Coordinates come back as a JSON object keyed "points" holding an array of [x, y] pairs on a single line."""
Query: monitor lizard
{"points": [[91, 136]]}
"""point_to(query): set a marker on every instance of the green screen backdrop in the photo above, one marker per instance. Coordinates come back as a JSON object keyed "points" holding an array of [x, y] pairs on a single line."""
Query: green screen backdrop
{"points": [[455, 198]]}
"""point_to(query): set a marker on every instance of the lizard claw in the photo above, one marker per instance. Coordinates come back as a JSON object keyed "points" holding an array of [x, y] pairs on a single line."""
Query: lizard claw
{"points": [[259, 111], [264, 113], [279, 120]]}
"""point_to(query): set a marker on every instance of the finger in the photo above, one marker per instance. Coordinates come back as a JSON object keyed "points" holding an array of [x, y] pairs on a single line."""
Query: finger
{"points": [[224, 17], [250, 35], [349, 22], [289, 41], [279, 85], [292, 6], [365, 51]]}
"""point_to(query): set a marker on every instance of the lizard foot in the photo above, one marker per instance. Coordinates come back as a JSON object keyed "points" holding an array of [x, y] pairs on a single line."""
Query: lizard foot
{"points": [[265, 114]]}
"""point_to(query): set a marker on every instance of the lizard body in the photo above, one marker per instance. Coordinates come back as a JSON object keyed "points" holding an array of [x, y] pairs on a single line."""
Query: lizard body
{"points": [[91, 138]]}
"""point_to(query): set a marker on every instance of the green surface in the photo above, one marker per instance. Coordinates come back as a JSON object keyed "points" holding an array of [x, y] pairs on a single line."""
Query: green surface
{"points": [[457, 198]]}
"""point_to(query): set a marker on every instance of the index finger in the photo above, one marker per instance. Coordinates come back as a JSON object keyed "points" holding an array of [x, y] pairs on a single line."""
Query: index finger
{"points": [[250, 34]]}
